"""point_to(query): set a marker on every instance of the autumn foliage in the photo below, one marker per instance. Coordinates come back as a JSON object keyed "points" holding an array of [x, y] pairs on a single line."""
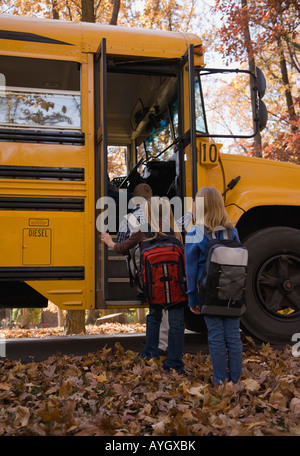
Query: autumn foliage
{"points": [[117, 393], [265, 34], [285, 144], [105, 328]]}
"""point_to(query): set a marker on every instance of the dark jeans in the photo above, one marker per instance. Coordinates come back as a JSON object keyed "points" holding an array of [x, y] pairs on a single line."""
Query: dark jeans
{"points": [[224, 341], [175, 336]]}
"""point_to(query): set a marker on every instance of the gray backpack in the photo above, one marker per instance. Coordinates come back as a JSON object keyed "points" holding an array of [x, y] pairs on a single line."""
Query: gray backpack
{"points": [[222, 286]]}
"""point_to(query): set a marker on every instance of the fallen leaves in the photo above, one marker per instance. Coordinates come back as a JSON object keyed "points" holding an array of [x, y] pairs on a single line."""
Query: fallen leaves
{"points": [[117, 393], [105, 328], [295, 406]]}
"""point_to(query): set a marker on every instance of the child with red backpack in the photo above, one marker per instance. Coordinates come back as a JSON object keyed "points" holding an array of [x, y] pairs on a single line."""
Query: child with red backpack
{"points": [[163, 277]]}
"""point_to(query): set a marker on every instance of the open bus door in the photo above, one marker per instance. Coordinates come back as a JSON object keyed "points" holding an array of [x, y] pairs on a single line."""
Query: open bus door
{"points": [[188, 146], [186, 143], [100, 90]]}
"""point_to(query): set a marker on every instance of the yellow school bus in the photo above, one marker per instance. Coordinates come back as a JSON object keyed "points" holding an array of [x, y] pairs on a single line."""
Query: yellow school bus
{"points": [[69, 92]]}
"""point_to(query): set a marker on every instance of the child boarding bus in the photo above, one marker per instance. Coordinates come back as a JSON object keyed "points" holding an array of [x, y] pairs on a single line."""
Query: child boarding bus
{"points": [[69, 92]]}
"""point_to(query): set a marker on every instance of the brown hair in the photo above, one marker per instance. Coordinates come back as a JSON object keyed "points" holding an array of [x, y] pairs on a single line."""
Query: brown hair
{"points": [[143, 190], [214, 209]]}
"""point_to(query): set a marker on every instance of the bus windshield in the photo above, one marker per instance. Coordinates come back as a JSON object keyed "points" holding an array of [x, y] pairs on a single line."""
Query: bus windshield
{"points": [[164, 131], [199, 108], [164, 128]]}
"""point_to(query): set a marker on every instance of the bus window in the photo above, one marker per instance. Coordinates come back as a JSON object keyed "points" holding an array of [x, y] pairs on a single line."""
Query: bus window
{"points": [[116, 161], [200, 117], [40, 93], [142, 113], [140, 152], [164, 131]]}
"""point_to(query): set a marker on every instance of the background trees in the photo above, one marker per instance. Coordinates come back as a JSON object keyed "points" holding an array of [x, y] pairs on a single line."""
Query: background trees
{"points": [[162, 14], [267, 31]]}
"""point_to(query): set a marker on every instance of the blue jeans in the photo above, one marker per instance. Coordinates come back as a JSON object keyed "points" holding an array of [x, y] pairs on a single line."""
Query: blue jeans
{"points": [[175, 336], [224, 341]]}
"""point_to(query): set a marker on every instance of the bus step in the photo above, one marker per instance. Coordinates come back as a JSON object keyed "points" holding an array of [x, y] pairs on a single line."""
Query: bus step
{"points": [[119, 289], [117, 267], [125, 304]]}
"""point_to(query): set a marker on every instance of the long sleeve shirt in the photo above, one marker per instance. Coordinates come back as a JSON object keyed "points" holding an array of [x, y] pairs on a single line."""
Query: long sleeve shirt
{"points": [[122, 248], [195, 257], [136, 237]]}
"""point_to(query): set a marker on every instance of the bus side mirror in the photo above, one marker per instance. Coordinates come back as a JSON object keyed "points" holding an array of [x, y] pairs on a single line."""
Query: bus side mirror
{"points": [[261, 90], [261, 83], [262, 116]]}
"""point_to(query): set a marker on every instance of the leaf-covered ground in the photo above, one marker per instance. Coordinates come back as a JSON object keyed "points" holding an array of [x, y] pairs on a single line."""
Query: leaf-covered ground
{"points": [[105, 328], [116, 393]]}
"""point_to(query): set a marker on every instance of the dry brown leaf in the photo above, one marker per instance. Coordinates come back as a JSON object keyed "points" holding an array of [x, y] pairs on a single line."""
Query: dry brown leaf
{"points": [[4, 386], [251, 385], [295, 406], [159, 428], [22, 415]]}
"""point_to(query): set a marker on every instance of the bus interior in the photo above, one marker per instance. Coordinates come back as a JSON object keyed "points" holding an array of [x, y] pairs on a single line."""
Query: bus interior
{"points": [[143, 131], [142, 121]]}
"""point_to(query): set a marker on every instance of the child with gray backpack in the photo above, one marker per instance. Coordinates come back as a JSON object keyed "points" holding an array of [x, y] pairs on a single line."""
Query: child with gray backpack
{"points": [[216, 267]]}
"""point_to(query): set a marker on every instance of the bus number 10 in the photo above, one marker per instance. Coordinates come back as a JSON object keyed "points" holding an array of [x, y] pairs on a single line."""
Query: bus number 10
{"points": [[209, 153]]}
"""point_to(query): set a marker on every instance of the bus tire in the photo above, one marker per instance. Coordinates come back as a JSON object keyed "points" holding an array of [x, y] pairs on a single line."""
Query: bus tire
{"points": [[273, 285]]}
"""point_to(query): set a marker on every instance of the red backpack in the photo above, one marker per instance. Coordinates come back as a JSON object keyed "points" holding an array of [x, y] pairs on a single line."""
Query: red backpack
{"points": [[162, 271]]}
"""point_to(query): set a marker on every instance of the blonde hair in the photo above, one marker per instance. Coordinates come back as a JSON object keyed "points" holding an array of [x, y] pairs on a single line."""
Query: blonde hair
{"points": [[214, 209], [159, 215]]}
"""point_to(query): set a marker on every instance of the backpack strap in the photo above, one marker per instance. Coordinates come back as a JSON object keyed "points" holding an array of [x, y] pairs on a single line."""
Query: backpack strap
{"points": [[207, 233], [230, 233], [227, 233]]}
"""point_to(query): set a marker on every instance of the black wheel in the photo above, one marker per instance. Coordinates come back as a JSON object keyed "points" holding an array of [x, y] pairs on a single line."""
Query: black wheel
{"points": [[273, 285]]}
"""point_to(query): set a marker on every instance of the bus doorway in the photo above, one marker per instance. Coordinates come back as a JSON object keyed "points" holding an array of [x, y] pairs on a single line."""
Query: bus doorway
{"points": [[144, 118]]}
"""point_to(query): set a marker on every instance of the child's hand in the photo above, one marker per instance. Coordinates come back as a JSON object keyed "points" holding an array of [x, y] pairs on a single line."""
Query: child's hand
{"points": [[107, 239], [195, 310]]}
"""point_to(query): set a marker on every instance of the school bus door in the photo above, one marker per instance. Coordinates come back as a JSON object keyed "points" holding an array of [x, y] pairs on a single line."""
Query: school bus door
{"points": [[188, 148], [184, 68], [202, 162], [100, 90]]}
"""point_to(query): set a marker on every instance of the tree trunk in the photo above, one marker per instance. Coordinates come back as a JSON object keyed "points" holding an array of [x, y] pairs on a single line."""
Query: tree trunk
{"points": [[74, 322], [55, 12], [92, 316], [87, 11], [2, 314], [251, 63], [141, 316], [114, 16], [285, 81], [23, 318], [60, 317]]}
